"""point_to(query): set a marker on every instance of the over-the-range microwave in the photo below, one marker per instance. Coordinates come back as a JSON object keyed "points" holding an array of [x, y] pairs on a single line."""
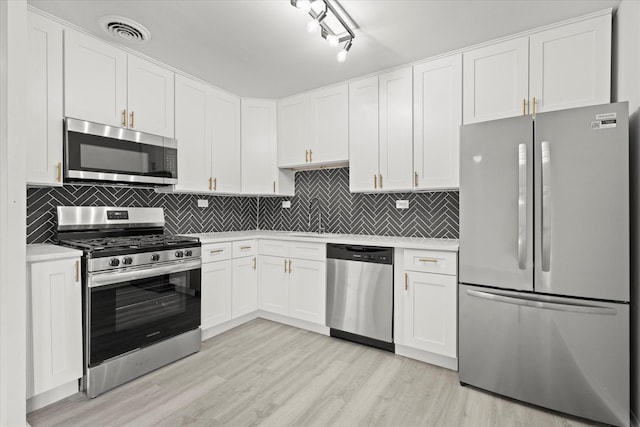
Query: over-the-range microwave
{"points": [[94, 152]]}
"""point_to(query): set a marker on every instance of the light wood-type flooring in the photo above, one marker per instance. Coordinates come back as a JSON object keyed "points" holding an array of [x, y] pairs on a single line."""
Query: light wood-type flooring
{"points": [[268, 374]]}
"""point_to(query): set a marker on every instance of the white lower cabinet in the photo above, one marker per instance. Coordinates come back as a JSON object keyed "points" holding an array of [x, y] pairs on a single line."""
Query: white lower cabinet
{"points": [[292, 279], [426, 300], [54, 322], [216, 293], [244, 293]]}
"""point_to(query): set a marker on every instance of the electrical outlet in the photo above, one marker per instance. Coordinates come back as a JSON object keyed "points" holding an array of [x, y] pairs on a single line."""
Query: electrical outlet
{"points": [[402, 204], [203, 203], [286, 204]]}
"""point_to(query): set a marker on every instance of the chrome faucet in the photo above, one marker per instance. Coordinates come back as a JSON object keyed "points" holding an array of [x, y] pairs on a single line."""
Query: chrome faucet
{"points": [[320, 227]]}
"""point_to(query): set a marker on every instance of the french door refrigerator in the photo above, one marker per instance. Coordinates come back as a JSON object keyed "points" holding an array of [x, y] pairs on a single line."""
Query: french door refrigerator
{"points": [[544, 260]]}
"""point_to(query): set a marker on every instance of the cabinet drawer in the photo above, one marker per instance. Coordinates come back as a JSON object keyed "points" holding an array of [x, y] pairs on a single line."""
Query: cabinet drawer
{"points": [[216, 252], [310, 251], [274, 248], [431, 261], [244, 248]]}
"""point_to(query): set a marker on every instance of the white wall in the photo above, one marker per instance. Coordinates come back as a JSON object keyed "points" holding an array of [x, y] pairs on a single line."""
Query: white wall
{"points": [[626, 87], [13, 31]]}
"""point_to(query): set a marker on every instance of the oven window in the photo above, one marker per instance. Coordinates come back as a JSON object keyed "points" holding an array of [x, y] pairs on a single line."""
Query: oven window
{"points": [[95, 153], [130, 315]]}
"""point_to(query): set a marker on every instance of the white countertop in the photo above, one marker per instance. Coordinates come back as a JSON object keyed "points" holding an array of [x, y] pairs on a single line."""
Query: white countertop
{"points": [[48, 252], [352, 239]]}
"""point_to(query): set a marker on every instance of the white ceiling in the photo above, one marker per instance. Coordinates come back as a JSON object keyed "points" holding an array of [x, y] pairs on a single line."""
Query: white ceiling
{"points": [[260, 48]]}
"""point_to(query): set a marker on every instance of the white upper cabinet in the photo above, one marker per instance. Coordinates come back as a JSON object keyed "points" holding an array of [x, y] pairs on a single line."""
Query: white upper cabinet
{"points": [[293, 131], [561, 67], [104, 84], [260, 173], [225, 160], [313, 128], [150, 97], [437, 109], [193, 132], [363, 135], [44, 101], [329, 125], [496, 81], [95, 76], [571, 65], [396, 130], [381, 132]]}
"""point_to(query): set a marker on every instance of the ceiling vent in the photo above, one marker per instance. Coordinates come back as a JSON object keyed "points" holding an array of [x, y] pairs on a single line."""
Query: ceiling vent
{"points": [[125, 28]]}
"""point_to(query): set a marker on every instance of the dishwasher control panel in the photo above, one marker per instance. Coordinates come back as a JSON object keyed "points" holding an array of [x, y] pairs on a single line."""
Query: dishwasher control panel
{"points": [[373, 254]]}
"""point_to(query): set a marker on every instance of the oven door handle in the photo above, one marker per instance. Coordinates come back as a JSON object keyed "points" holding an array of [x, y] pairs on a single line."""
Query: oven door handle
{"points": [[110, 277]]}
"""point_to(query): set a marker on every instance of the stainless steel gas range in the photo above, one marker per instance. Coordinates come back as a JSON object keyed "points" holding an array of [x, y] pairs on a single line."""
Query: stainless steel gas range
{"points": [[141, 291]]}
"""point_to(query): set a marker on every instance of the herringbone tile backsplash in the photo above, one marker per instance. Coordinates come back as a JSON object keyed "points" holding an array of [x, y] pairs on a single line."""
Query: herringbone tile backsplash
{"points": [[429, 215], [432, 214]]}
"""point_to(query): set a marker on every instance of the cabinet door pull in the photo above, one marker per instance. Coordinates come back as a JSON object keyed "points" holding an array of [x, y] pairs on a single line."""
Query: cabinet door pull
{"points": [[215, 184], [242, 248], [77, 271], [289, 266], [415, 179], [406, 281], [534, 106], [375, 182], [381, 181], [254, 263], [124, 118], [285, 265], [131, 117], [306, 156], [59, 167], [428, 260], [216, 251], [310, 155], [274, 186], [524, 107], [210, 183]]}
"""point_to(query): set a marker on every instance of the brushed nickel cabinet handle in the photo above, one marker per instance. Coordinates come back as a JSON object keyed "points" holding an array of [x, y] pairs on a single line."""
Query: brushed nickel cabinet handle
{"points": [[131, 117], [524, 107], [242, 248], [216, 251], [310, 155], [428, 260], [285, 265], [59, 173], [210, 183], [254, 263], [124, 118], [77, 271], [381, 181], [289, 266], [274, 186], [215, 184], [406, 281], [375, 182], [306, 156], [415, 179], [534, 106]]}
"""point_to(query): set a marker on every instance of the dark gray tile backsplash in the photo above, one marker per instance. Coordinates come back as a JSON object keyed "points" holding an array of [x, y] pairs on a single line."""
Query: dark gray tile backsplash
{"points": [[433, 214]]}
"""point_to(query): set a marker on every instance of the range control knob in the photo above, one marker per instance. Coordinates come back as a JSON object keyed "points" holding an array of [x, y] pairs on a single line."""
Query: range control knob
{"points": [[127, 260], [188, 252], [155, 257], [179, 254], [114, 262]]}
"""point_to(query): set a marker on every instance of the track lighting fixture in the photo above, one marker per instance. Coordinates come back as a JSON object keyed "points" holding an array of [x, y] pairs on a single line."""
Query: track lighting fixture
{"points": [[335, 29]]}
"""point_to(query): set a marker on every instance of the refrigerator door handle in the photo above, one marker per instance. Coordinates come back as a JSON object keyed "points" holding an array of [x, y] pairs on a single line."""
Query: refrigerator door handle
{"points": [[522, 206], [546, 206], [536, 302]]}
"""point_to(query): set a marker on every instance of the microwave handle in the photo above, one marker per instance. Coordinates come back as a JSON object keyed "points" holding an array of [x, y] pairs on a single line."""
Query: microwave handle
{"points": [[110, 277]]}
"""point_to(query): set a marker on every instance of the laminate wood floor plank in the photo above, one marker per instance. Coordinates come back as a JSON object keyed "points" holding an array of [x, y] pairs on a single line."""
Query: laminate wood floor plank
{"points": [[266, 374]]}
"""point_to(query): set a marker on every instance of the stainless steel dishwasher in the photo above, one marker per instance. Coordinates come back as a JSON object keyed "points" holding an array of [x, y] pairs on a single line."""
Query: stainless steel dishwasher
{"points": [[360, 294]]}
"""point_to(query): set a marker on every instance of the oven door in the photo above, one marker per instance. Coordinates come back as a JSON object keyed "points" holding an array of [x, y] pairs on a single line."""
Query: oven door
{"points": [[127, 310], [95, 152]]}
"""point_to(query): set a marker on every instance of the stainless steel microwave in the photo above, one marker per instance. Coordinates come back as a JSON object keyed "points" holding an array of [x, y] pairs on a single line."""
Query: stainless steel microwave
{"points": [[95, 152]]}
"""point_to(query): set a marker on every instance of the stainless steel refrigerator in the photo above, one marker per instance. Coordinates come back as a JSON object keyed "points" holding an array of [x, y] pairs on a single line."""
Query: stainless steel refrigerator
{"points": [[544, 260]]}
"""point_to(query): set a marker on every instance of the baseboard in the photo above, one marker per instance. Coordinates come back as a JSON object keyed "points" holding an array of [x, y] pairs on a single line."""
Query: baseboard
{"points": [[427, 357], [48, 397], [297, 323], [224, 327]]}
